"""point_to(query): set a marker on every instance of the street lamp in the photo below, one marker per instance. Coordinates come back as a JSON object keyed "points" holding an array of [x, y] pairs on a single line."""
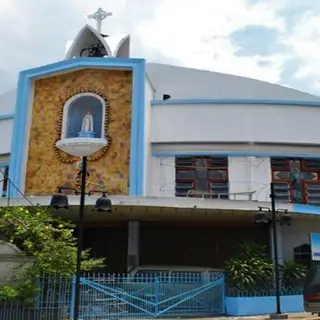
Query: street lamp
{"points": [[262, 217], [80, 147]]}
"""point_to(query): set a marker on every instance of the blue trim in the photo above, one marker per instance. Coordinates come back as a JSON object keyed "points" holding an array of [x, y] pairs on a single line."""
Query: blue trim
{"points": [[236, 101], [305, 208], [6, 116], [26, 77], [233, 154]]}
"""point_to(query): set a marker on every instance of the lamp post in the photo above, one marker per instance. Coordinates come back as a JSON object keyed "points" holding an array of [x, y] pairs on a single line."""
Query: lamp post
{"points": [[285, 219], [80, 147], [80, 237], [275, 248]]}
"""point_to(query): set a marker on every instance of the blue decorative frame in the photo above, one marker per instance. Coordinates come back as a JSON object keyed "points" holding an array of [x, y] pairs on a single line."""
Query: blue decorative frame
{"points": [[237, 101], [26, 78]]}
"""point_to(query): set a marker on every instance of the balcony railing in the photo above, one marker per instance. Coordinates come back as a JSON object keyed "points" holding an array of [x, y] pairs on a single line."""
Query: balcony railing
{"points": [[238, 190], [248, 195]]}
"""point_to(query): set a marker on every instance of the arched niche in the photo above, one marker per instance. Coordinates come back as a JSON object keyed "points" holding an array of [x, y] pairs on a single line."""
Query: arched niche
{"points": [[74, 111]]}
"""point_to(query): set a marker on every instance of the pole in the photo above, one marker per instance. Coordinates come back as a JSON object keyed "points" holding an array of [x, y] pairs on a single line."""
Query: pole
{"points": [[80, 238], [275, 248]]}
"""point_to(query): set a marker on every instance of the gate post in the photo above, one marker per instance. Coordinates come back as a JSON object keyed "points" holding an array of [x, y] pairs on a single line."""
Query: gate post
{"points": [[72, 296], [156, 296], [223, 294]]}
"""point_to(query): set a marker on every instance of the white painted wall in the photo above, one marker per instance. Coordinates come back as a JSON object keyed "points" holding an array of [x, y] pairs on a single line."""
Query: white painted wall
{"points": [[248, 174], [234, 123], [296, 235], [147, 146], [245, 174], [161, 177], [6, 127]]}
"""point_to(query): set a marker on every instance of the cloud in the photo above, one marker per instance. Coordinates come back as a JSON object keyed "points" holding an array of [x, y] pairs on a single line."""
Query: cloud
{"points": [[198, 34], [273, 40], [305, 45]]}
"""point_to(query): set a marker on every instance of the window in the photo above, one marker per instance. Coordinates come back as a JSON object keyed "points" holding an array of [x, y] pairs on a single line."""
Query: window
{"points": [[4, 177], [296, 180], [202, 177], [302, 254]]}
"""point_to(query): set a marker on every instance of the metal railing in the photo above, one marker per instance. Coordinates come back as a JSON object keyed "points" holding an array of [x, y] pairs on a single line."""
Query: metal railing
{"points": [[219, 196], [116, 296]]}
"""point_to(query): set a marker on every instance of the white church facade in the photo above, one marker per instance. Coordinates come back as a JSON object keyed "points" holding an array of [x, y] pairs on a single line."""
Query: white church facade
{"points": [[180, 151]]}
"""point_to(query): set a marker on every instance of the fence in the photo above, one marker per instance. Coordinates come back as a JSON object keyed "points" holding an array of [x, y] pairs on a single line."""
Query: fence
{"points": [[105, 296]]}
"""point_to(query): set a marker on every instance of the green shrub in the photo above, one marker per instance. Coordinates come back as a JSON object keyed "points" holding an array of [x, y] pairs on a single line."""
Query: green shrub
{"points": [[48, 240]]}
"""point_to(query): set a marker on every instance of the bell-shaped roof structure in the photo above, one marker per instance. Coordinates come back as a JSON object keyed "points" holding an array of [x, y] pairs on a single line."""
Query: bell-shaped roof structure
{"points": [[88, 43]]}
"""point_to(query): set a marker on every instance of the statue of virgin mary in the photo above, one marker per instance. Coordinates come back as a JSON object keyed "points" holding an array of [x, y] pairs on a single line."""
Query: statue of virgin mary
{"points": [[87, 122], [87, 128]]}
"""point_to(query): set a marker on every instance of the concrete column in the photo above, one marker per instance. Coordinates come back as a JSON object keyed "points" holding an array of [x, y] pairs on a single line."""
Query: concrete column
{"points": [[279, 236], [133, 244]]}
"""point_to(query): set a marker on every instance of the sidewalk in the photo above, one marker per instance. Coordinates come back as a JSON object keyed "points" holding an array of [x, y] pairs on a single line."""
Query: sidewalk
{"points": [[295, 316]]}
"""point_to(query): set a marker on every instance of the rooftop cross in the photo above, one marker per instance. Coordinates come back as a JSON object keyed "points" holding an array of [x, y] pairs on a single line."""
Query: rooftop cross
{"points": [[99, 16]]}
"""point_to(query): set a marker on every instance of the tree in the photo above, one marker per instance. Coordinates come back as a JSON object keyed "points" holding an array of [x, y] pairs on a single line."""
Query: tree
{"points": [[48, 240]]}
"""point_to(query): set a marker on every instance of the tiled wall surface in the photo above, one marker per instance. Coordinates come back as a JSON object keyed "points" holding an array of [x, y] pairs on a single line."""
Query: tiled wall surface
{"points": [[111, 172]]}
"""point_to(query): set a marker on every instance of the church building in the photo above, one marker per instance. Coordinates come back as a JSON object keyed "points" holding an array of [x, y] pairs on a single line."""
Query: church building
{"points": [[186, 156]]}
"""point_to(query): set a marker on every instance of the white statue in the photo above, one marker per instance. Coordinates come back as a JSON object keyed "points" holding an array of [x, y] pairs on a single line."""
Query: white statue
{"points": [[87, 122]]}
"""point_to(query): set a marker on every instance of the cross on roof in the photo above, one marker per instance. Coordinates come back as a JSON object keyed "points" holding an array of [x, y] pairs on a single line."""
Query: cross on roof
{"points": [[99, 16]]}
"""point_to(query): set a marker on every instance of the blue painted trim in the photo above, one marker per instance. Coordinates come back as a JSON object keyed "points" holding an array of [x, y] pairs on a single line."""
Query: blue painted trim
{"points": [[236, 101], [6, 116], [252, 306], [305, 208], [26, 78], [233, 154], [3, 164]]}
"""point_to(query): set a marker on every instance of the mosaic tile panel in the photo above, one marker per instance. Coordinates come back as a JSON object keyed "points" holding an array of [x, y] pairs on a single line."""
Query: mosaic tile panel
{"points": [[111, 172]]}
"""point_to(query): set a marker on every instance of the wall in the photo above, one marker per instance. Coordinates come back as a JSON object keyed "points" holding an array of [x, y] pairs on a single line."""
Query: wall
{"points": [[245, 174], [161, 177], [251, 306], [148, 171], [297, 234], [6, 126], [234, 123], [44, 170], [250, 174], [10, 258]]}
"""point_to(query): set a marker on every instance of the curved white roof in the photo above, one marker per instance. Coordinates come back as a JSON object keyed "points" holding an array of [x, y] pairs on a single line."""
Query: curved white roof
{"points": [[7, 102], [86, 36], [123, 48], [186, 83]]}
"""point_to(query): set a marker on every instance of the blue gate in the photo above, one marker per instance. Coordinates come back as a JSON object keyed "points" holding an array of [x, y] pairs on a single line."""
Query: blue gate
{"points": [[146, 296]]}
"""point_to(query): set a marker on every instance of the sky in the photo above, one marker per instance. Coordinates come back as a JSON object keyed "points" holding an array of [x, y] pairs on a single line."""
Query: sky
{"points": [[277, 41]]}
